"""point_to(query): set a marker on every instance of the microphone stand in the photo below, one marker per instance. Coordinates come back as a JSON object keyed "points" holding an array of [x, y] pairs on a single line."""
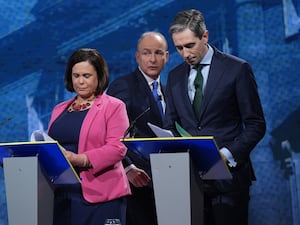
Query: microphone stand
{"points": [[132, 128], [3, 122]]}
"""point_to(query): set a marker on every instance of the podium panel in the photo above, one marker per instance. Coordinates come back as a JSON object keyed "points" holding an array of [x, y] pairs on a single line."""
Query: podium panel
{"points": [[178, 198], [29, 194]]}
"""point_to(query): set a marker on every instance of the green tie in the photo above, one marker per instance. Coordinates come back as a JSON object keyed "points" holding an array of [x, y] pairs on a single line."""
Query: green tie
{"points": [[198, 82]]}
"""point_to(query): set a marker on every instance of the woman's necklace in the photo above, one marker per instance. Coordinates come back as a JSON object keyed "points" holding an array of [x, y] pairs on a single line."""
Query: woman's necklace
{"points": [[75, 106]]}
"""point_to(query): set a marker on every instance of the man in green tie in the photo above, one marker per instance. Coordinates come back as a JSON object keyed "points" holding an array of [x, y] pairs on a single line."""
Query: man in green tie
{"points": [[229, 109]]}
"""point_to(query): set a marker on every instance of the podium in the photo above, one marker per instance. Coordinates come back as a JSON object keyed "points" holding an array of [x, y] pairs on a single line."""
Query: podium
{"points": [[178, 164], [31, 172]]}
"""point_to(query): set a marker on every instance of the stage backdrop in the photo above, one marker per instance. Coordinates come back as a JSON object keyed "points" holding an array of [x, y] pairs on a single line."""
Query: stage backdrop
{"points": [[36, 38]]}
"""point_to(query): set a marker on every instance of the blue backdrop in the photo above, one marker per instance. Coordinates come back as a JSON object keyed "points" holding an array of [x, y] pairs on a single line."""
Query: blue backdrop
{"points": [[36, 38]]}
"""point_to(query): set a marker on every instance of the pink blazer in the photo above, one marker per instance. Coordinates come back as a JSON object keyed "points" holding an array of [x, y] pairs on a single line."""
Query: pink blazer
{"points": [[99, 139]]}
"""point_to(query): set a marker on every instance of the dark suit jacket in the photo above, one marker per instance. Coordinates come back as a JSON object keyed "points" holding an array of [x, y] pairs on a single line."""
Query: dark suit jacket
{"points": [[134, 90], [231, 110]]}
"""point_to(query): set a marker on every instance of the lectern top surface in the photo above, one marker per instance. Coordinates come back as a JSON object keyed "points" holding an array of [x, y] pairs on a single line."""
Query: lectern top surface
{"points": [[203, 150], [51, 158]]}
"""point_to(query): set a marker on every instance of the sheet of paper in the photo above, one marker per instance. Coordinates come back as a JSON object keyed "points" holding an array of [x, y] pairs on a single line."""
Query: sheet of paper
{"points": [[160, 132], [39, 135]]}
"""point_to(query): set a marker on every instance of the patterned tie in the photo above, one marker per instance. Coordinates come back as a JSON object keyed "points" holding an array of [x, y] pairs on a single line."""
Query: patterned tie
{"points": [[198, 82], [157, 97]]}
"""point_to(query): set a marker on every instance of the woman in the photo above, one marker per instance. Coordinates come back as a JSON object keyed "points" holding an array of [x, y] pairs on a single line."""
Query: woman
{"points": [[90, 126]]}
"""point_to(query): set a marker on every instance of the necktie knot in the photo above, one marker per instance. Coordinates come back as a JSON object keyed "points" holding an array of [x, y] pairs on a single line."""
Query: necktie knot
{"points": [[199, 66], [155, 85]]}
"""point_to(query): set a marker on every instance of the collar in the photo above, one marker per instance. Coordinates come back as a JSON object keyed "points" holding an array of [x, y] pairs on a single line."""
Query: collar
{"points": [[149, 79], [208, 57]]}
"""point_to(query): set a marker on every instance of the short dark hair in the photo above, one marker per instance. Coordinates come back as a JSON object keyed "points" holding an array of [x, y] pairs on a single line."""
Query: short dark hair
{"points": [[96, 60], [191, 19]]}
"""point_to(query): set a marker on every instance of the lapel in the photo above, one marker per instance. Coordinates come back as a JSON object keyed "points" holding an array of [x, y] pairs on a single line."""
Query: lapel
{"points": [[142, 88], [180, 91], [93, 112], [146, 98], [216, 71], [143, 85]]}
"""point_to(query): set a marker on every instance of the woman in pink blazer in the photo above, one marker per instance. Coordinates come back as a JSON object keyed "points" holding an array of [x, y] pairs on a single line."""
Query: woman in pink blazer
{"points": [[90, 127]]}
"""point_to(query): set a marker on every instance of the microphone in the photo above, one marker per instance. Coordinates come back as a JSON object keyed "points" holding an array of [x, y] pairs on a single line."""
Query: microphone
{"points": [[132, 124], [3, 122]]}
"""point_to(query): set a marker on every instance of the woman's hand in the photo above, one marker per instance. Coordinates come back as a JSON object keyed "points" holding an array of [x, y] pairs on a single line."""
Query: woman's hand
{"points": [[80, 160]]}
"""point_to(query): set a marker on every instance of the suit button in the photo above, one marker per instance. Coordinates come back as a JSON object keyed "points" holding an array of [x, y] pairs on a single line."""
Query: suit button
{"points": [[199, 127]]}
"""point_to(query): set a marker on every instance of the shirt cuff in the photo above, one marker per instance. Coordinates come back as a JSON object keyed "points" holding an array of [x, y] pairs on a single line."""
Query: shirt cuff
{"points": [[228, 156], [128, 168]]}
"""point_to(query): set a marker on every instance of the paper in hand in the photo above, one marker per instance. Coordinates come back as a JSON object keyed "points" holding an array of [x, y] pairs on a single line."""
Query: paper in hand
{"points": [[159, 132], [39, 135]]}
